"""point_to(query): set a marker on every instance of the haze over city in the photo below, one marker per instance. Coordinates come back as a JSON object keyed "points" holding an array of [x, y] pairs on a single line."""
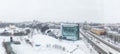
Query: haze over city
{"points": [[59, 26], [106, 11]]}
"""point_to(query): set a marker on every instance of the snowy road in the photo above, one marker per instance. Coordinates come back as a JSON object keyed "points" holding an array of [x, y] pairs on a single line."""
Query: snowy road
{"points": [[104, 46]]}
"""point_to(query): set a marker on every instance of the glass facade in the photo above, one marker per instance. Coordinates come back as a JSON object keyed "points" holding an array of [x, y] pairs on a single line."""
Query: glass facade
{"points": [[70, 31]]}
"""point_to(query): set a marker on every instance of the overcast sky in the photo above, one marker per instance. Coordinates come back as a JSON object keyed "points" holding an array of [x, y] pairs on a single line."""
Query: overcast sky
{"points": [[60, 10]]}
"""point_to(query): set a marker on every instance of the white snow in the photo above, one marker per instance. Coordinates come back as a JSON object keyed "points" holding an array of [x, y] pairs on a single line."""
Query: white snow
{"points": [[2, 50], [104, 46], [44, 40], [47, 45]]}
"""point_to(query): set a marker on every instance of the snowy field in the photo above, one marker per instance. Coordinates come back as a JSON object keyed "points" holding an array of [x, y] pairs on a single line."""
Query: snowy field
{"points": [[44, 44], [47, 45]]}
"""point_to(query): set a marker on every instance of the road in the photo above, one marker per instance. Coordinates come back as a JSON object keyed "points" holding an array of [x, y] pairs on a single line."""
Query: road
{"points": [[100, 45]]}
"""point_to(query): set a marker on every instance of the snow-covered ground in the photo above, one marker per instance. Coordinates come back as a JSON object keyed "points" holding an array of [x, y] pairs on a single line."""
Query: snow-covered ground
{"points": [[47, 45], [6, 39], [44, 44], [2, 50], [104, 46], [2, 29], [115, 43]]}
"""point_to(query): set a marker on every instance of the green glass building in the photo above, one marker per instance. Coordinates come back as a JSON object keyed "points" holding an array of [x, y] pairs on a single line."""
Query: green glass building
{"points": [[70, 31]]}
